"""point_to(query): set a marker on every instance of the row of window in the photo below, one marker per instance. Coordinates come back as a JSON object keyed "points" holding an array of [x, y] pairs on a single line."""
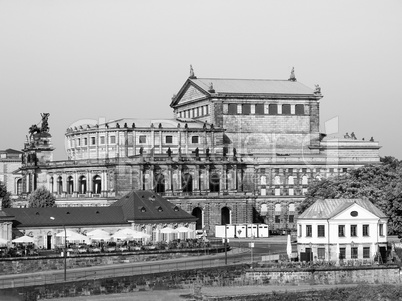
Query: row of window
{"points": [[82, 185], [142, 139], [278, 191], [194, 112], [341, 230], [265, 109], [342, 253]]}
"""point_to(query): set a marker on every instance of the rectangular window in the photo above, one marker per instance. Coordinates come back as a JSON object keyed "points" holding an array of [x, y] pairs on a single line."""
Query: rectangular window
{"points": [[259, 109], [309, 230], [366, 252], [353, 252], [85, 141], [277, 219], [286, 109], [239, 109], [206, 110], [353, 230], [381, 229], [112, 139], [291, 218], [341, 230], [277, 191], [93, 141], [321, 253], [142, 139], [321, 230], [78, 142], [102, 140], [292, 109], [273, 109], [252, 109], [180, 115], [246, 110], [169, 139], [232, 109], [299, 110], [194, 139], [300, 230], [342, 253], [291, 191], [365, 230]]}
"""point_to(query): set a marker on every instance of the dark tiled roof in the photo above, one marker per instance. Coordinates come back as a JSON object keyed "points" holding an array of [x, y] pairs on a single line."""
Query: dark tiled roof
{"points": [[328, 208], [145, 206], [69, 216]]}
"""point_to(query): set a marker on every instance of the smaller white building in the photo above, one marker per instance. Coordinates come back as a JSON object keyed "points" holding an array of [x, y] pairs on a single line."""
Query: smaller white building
{"points": [[334, 229]]}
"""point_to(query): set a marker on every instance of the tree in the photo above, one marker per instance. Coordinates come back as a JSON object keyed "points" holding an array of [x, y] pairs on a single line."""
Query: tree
{"points": [[41, 197], [5, 196], [381, 184]]}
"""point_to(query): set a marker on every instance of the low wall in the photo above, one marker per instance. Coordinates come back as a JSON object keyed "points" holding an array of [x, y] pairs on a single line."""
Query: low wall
{"points": [[37, 264], [343, 275], [223, 276]]}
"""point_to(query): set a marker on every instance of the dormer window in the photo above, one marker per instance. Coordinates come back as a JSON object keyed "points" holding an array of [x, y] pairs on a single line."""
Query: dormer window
{"points": [[159, 208], [143, 209], [175, 208]]}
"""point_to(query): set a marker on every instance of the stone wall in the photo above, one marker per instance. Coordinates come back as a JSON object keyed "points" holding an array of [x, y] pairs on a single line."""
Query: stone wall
{"points": [[223, 276], [35, 264]]}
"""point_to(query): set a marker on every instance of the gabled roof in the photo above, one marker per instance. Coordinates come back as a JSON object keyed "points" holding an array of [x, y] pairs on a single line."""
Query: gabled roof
{"points": [[229, 87], [145, 206], [328, 208], [10, 151]]}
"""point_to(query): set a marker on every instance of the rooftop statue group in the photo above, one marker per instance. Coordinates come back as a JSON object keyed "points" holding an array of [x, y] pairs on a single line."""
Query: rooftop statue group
{"points": [[44, 128], [353, 137]]}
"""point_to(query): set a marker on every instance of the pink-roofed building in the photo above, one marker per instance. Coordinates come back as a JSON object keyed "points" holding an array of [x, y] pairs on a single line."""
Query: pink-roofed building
{"points": [[348, 229]]}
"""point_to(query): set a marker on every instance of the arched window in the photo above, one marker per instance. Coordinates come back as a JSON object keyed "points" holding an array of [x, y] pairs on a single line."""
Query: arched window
{"points": [[51, 183], [97, 184], [304, 180], [19, 186], [291, 180], [225, 216], [70, 185], [187, 182], [214, 180], [264, 209], [197, 212], [82, 185], [278, 207], [277, 180], [59, 185], [263, 180], [292, 207], [159, 183]]}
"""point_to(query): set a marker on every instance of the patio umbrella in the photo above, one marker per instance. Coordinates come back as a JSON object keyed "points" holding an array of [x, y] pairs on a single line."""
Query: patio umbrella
{"points": [[184, 230], [128, 233], [23, 239], [99, 234], [168, 230], [289, 247], [72, 236]]}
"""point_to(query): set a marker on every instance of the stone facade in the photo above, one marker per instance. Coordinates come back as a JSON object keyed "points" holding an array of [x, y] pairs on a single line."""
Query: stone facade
{"points": [[238, 151], [10, 162]]}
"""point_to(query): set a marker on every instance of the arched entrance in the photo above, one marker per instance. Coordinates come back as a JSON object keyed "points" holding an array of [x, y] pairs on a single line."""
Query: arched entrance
{"points": [[187, 183], [225, 216], [197, 212]]}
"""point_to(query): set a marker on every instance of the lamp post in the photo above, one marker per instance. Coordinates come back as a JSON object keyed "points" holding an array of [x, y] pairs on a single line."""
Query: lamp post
{"points": [[65, 250], [311, 251]]}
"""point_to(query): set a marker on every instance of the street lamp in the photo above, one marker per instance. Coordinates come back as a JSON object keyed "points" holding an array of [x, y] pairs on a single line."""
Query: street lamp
{"points": [[65, 249]]}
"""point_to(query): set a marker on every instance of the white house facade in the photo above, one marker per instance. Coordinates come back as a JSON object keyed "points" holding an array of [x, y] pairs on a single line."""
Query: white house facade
{"points": [[349, 229]]}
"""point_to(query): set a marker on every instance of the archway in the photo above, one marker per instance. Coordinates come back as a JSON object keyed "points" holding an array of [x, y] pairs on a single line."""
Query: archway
{"points": [[197, 212], [225, 216]]}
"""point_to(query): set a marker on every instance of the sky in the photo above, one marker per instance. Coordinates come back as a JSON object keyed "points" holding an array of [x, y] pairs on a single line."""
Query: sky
{"points": [[83, 59]]}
